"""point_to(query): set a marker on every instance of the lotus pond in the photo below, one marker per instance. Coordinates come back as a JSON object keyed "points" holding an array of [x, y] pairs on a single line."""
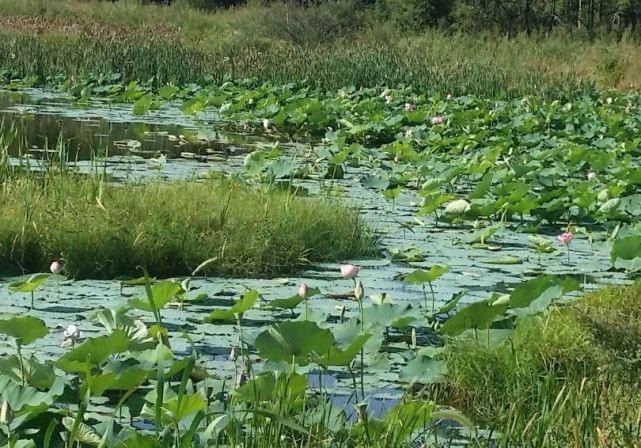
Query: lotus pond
{"points": [[469, 199]]}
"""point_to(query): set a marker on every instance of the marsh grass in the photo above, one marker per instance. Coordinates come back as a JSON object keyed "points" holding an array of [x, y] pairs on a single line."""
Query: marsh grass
{"points": [[106, 230], [570, 377], [71, 39]]}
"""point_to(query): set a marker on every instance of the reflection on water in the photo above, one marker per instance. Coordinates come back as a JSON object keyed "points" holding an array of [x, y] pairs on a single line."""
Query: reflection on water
{"points": [[44, 122]]}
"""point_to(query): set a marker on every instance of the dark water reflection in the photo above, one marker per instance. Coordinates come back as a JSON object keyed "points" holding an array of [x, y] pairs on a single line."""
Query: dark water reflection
{"points": [[49, 123]]}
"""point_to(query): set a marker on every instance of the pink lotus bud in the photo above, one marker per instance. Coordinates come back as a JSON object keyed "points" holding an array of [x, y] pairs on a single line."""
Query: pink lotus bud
{"points": [[303, 290], [409, 107], [359, 291], [349, 270], [56, 267], [437, 119], [566, 238]]}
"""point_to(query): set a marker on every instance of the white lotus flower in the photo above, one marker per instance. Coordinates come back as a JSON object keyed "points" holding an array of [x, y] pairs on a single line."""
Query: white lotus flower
{"points": [[457, 207], [70, 336]]}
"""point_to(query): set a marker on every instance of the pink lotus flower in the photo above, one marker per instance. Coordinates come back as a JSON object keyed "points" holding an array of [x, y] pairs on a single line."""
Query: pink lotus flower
{"points": [[303, 290], [566, 238], [56, 267], [437, 119], [409, 107], [349, 270]]}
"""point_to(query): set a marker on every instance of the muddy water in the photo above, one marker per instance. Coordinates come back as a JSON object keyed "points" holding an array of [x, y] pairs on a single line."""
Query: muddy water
{"points": [[98, 128]]}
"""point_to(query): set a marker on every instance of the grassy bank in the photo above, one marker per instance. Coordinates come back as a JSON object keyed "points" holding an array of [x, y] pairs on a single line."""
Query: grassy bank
{"points": [[103, 230], [329, 48], [570, 377]]}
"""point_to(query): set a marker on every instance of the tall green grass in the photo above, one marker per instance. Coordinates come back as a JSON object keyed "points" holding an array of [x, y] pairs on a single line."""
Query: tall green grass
{"points": [[326, 48], [53, 57], [569, 377], [103, 230]]}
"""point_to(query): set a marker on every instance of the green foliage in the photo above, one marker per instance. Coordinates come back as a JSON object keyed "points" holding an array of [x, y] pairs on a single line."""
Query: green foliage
{"points": [[24, 329], [170, 228], [553, 373]]}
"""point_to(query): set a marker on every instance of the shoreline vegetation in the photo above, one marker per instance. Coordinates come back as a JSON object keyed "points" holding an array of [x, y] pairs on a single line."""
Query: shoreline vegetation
{"points": [[567, 377], [280, 43]]}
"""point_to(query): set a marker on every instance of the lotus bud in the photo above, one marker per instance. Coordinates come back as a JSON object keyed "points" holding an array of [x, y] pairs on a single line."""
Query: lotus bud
{"points": [[413, 337], [409, 107], [609, 100], [303, 290], [56, 267], [591, 175], [449, 96], [359, 291], [438, 119], [5, 413], [389, 99], [349, 270]]}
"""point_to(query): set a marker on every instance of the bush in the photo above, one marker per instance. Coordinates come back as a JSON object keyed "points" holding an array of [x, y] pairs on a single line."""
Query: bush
{"points": [[315, 24]]}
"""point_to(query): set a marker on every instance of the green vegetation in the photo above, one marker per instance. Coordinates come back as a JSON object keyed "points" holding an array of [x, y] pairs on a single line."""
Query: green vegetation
{"points": [[103, 230], [521, 139], [331, 46], [568, 377]]}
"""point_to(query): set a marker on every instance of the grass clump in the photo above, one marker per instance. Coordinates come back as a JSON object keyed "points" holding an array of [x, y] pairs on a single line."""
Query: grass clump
{"points": [[569, 377], [103, 230]]}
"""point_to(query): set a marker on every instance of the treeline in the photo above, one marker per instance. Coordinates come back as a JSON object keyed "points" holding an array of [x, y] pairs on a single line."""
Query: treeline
{"points": [[507, 16]]}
